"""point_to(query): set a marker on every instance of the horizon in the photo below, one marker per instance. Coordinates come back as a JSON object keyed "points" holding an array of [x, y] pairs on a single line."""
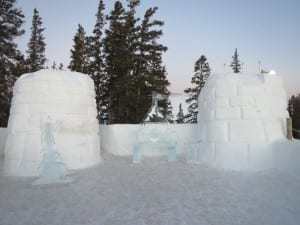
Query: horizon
{"points": [[262, 31]]}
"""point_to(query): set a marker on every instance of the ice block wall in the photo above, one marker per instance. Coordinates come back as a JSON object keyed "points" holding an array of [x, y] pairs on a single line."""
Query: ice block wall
{"points": [[69, 99], [240, 115]]}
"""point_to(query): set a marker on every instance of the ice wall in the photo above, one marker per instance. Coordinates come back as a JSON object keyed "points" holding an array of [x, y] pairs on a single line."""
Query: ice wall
{"points": [[240, 116], [69, 99], [2, 140], [119, 139]]}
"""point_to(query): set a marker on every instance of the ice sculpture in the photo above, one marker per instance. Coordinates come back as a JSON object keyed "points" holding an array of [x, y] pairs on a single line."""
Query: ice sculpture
{"points": [[52, 169], [154, 114]]}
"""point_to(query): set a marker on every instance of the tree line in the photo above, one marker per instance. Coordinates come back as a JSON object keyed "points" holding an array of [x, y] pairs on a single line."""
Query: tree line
{"points": [[124, 59], [122, 55]]}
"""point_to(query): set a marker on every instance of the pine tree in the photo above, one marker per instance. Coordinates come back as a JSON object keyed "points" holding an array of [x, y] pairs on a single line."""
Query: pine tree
{"points": [[133, 63], [131, 79], [201, 73], [294, 111], [79, 58], [169, 114], [116, 61], [11, 20], [291, 105], [96, 63], [180, 116], [36, 46], [54, 65], [151, 74], [235, 64], [61, 66]]}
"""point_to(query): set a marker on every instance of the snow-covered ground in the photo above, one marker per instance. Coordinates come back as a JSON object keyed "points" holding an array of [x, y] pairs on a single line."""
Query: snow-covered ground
{"points": [[155, 192]]}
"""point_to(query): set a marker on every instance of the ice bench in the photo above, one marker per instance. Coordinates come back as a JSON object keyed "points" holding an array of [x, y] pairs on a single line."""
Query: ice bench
{"points": [[154, 138]]}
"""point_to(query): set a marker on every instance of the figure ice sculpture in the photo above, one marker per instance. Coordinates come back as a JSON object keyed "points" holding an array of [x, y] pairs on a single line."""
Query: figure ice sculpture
{"points": [[154, 114], [52, 169]]}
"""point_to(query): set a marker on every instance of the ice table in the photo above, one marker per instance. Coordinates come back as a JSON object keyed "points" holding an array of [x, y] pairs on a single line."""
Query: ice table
{"points": [[169, 146]]}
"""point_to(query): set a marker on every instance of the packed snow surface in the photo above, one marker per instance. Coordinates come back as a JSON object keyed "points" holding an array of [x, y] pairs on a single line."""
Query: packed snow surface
{"points": [[155, 192], [69, 99]]}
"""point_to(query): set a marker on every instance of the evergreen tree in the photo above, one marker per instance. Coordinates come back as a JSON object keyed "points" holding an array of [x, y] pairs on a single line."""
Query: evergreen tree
{"points": [[131, 29], [54, 65], [291, 106], [11, 20], [180, 116], [151, 74], [133, 63], [79, 58], [61, 66], [294, 111], [169, 113], [235, 64], [36, 46], [201, 73], [116, 61], [96, 64]]}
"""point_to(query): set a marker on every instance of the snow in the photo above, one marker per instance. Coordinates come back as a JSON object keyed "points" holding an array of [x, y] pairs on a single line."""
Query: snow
{"points": [[118, 192], [240, 177], [247, 172], [69, 99]]}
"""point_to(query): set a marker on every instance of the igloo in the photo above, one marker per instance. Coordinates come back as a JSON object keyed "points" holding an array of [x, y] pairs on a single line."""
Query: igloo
{"points": [[239, 118], [69, 99]]}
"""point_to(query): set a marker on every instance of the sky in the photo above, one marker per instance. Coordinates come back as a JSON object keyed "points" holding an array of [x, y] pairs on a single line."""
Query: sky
{"points": [[265, 31]]}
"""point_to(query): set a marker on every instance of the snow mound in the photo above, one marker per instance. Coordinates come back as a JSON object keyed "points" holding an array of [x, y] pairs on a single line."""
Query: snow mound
{"points": [[69, 99], [240, 117]]}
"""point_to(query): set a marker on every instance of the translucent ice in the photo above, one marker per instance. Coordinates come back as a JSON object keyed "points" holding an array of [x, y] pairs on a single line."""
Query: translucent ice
{"points": [[154, 139], [52, 169]]}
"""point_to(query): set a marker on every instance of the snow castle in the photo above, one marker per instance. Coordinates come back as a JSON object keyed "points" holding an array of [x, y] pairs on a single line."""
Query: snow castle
{"points": [[69, 99], [240, 116]]}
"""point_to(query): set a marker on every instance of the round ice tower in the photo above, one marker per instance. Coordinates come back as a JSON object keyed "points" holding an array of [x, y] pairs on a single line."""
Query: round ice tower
{"points": [[239, 118], [68, 98]]}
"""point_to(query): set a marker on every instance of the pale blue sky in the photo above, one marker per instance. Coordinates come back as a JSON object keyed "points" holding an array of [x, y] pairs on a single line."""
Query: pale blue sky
{"points": [[262, 30]]}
